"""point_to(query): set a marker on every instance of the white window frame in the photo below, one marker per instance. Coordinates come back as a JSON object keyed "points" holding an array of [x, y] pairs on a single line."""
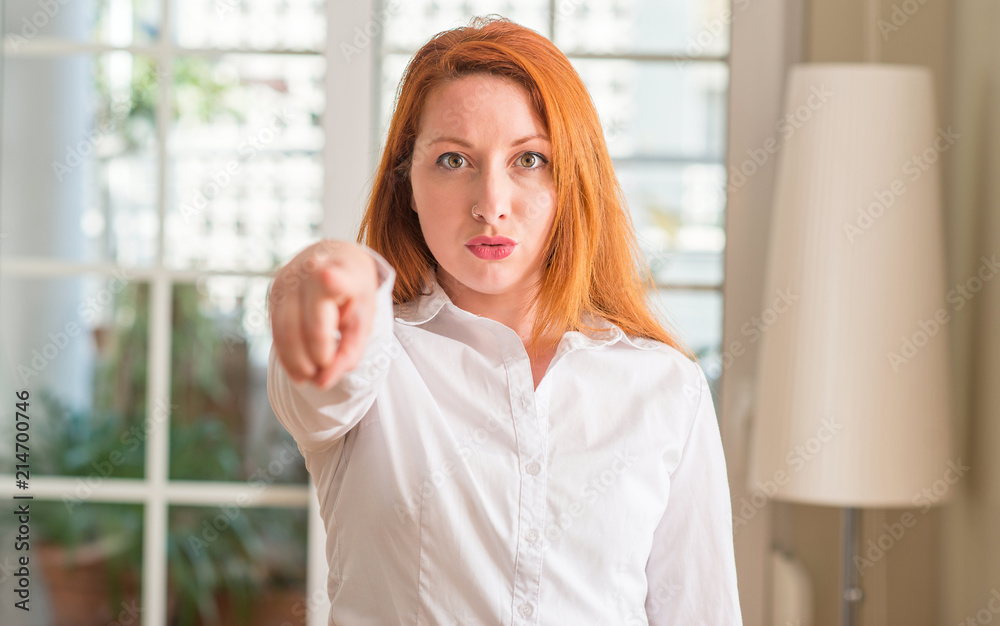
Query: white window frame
{"points": [[156, 492]]}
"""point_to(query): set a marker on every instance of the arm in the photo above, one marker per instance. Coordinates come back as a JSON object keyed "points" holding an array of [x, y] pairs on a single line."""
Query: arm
{"points": [[691, 570], [316, 417]]}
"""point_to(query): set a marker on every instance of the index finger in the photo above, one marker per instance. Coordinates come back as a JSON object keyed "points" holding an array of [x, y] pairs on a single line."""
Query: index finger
{"points": [[355, 327]]}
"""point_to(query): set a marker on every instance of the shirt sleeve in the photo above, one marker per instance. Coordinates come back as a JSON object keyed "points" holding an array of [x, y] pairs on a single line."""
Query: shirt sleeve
{"points": [[317, 418], [691, 570]]}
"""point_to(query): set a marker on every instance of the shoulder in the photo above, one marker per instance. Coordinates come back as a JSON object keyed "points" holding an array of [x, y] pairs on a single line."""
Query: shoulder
{"points": [[670, 369], [658, 350]]}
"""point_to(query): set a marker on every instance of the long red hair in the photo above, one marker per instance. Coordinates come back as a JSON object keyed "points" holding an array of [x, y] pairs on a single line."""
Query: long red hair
{"points": [[594, 263]]}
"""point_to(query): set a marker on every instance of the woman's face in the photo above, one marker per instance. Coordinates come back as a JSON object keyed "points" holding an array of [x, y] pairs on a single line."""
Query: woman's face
{"points": [[480, 143]]}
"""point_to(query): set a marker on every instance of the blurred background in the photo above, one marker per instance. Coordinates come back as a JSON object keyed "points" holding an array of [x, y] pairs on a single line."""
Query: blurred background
{"points": [[159, 159]]}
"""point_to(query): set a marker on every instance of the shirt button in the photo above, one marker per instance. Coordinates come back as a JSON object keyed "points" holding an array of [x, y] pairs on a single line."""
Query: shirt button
{"points": [[532, 468], [524, 610], [531, 534]]}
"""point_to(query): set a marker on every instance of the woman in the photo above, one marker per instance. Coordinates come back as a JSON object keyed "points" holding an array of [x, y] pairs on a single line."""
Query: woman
{"points": [[499, 430]]}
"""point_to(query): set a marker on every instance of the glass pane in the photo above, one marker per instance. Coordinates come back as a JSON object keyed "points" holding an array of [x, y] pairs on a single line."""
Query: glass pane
{"points": [[252, 24], [667, 110], [112, 22], [78, 346], [234, 566], [85, 564], [412, 23], [223, 425], [697, 317], [679, 217], [246, 178], [688, 27], [83, 184]]}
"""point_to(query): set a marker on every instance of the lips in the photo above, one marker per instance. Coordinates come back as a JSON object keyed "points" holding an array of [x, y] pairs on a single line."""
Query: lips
{"points": [[491, 248], [482, 240]]}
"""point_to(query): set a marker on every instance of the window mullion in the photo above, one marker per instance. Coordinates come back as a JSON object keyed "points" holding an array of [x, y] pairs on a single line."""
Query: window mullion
{"points": [[155, 531], [154, 561], [350, 115]]}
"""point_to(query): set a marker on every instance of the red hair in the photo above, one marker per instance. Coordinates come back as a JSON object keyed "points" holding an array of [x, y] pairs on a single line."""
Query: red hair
{"points": [[594, 263]]}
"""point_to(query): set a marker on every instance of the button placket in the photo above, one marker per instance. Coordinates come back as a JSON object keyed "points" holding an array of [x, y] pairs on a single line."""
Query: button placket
{"points": [[531, 508]]}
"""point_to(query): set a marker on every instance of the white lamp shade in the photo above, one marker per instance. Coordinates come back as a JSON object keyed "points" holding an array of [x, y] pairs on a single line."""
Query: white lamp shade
{"points": [[853, 402]]}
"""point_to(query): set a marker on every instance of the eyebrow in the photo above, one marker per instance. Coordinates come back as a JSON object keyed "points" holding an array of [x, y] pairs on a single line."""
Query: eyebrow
{"points": [[466, 144]]}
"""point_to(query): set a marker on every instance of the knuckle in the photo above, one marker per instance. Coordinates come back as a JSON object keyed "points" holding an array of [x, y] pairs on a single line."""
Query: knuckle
{"points": [[335, 278]]}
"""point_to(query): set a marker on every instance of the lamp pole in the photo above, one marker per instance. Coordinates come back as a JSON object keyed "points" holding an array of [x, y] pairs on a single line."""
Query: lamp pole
{"points": [[850, 540]]}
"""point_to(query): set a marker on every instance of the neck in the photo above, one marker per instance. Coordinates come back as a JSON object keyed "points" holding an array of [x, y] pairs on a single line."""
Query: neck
{"points": [[512, 309]]}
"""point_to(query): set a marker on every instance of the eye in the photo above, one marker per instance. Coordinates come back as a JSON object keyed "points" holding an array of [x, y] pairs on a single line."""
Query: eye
{"points": [[531, 160], [451, 160]]}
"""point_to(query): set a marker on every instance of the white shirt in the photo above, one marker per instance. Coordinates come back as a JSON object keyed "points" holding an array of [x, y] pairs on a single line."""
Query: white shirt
{"points": [[453, 492]]}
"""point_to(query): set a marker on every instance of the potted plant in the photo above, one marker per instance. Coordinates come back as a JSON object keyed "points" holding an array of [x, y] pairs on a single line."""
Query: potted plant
{"points": [[91, 553]]}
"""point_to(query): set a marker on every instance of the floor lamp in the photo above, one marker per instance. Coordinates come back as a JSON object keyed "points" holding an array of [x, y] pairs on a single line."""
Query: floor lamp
{"points": [[853, 401]]}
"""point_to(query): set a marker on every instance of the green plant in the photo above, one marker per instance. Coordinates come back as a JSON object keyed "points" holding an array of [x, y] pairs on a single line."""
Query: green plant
{"points": [[107, 439], [77, 443], [209, 560]]}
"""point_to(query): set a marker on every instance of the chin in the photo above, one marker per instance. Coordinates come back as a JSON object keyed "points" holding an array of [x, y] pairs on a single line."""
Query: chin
{"points": [[489, 283], [490, 287]]}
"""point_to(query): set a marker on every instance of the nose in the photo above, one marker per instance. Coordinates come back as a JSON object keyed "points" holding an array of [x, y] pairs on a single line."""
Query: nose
{"points": [[494, 201]]}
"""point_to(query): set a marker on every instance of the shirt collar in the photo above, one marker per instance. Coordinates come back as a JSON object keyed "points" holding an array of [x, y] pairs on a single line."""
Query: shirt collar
{"points": [[428, 305]]}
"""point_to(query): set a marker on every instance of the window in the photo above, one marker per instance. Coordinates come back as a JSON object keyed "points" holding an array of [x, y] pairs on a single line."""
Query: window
{"points": [[159, 159], [658, 74]]}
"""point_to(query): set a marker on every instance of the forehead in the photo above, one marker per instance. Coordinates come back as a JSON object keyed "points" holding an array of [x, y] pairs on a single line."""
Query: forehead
{"points": [[479, 104]]}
